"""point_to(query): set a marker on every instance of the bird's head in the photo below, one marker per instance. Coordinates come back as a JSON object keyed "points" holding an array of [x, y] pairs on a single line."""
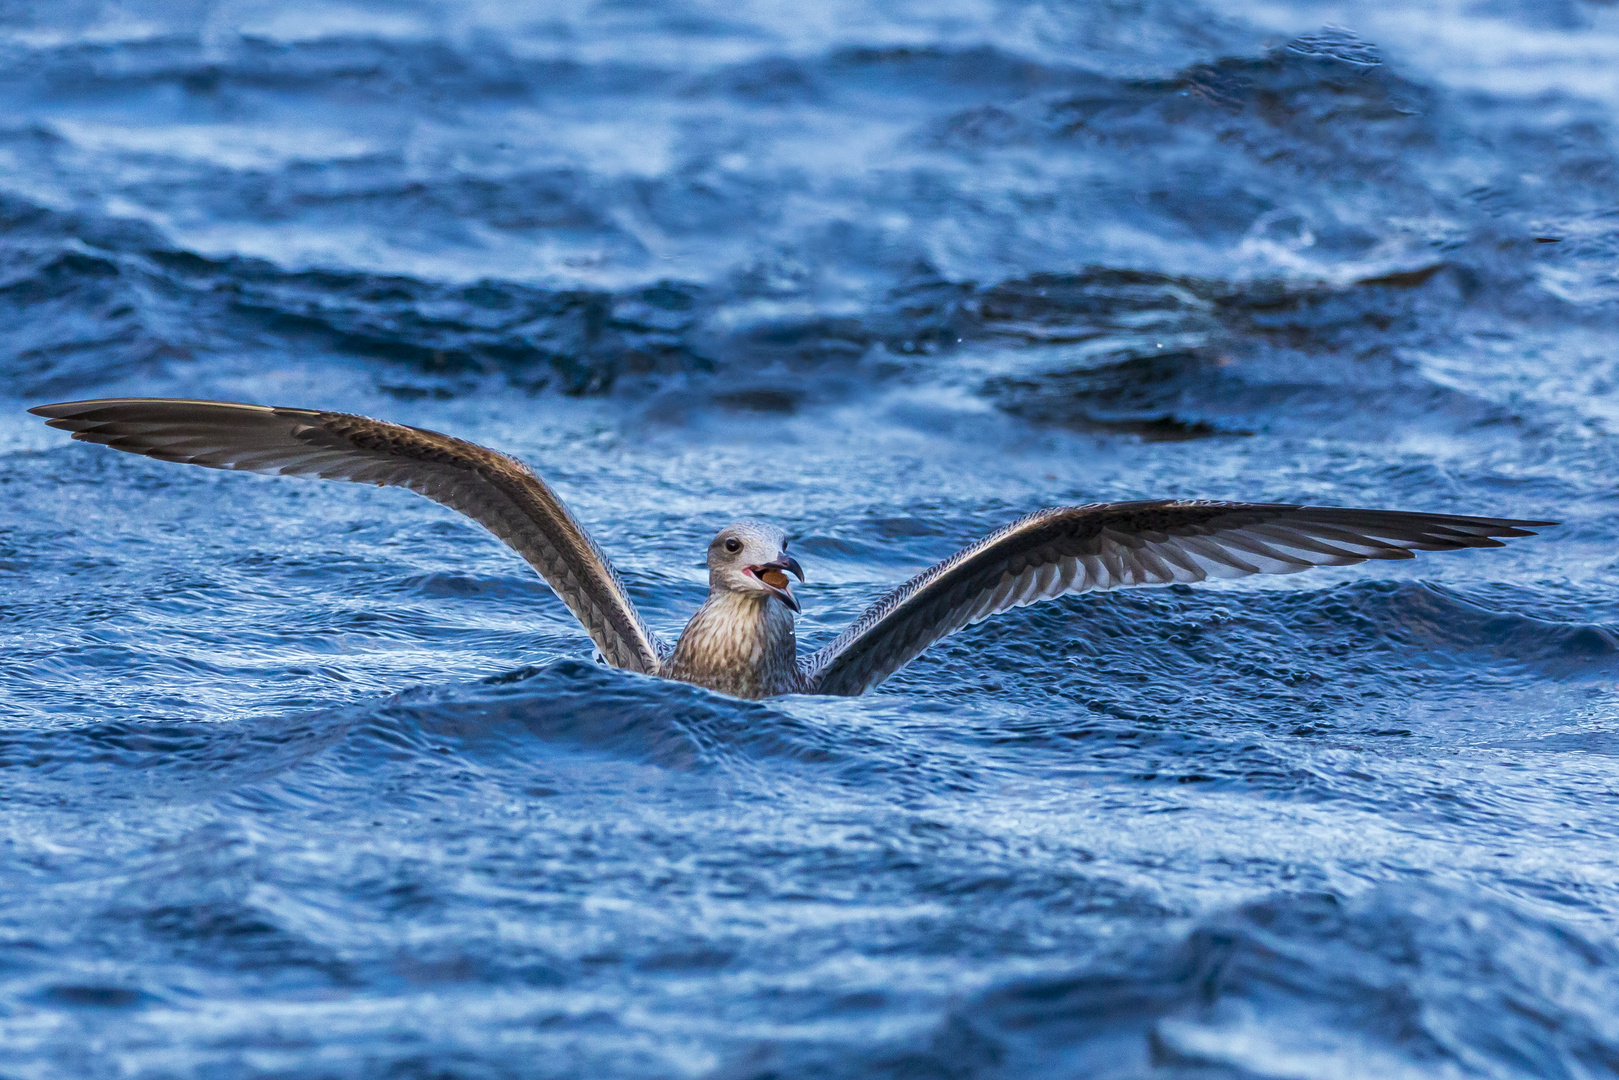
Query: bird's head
{"points": [[751, 557]]}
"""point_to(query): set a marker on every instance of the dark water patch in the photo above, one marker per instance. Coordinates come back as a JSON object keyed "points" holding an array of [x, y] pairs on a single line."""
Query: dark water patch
{"points": [[1097, 742], [580, 341], [1299, 106], [1443, 625], [121, 300], [1060, 309], [1135, 395], [93, 997], [432, 732], [1170, 651], [1103, 350], [764, 399], [1332, 319], [1109, 350], [449, 584], [122, 759], [582, 705], [1211, 358], [230, 933], [1348, 973], [74, 305], [1354, 976], [1317, 107], [362, 65]]}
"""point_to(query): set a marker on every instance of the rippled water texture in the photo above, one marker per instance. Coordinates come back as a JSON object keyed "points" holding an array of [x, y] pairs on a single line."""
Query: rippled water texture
{"points": [[318, 780]]}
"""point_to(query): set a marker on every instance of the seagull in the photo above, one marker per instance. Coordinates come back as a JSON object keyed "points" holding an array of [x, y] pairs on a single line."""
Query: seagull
{"points": [[741, 641]]}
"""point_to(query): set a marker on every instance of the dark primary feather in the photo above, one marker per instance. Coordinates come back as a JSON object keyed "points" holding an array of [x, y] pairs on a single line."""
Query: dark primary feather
{"points": [[498, 492], [1045, 555], [1107, 545]]}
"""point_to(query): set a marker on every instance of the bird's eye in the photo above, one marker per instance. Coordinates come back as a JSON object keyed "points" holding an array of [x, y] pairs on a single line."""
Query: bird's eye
{"points": [[733, 545]]}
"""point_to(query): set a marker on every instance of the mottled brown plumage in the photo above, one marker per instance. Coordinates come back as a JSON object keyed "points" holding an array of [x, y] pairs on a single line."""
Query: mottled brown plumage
{"points": [[739, 645], [741, 640], [498, 492]]}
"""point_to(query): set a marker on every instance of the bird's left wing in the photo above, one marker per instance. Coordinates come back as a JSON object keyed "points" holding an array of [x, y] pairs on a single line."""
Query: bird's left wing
{"points": [[1107, 545], [498, 492]]}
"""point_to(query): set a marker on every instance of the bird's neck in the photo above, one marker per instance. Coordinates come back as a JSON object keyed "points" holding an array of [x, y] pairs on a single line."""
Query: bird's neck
{"points": [[740, 644]]}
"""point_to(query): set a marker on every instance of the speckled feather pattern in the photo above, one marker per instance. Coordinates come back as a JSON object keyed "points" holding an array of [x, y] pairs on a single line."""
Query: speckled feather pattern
{"points": [[739, 644], [497, 491], [743, 643], [1107, 545]]}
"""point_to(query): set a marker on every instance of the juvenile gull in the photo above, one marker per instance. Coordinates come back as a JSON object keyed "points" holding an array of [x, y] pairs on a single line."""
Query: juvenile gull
{"points": [[741, 640]]}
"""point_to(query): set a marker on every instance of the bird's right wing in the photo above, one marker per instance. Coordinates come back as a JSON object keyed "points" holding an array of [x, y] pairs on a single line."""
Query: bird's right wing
{"points": [[498, 492], [1106, 545]]}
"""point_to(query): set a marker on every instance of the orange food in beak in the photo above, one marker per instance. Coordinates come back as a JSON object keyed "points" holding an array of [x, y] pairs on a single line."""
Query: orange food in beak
{"points": [[776, 579]]}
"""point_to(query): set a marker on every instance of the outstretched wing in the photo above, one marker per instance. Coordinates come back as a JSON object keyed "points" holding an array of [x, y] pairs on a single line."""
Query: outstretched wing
{"points": [[499, 493], [1107, 545]]}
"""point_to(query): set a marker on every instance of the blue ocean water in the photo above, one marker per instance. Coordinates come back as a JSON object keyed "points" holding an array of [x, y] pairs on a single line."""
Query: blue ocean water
{"points": [[318, 780]]}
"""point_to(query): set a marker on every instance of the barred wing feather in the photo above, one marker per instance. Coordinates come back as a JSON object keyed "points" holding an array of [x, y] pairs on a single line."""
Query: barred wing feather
{"points": [[494, 490], [1108, 545]]}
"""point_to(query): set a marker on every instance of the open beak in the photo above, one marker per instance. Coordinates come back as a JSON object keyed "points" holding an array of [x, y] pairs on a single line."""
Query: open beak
{"points": [[774, 577]]}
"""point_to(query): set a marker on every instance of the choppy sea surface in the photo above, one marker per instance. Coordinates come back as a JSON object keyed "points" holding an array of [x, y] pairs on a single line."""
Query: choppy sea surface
{"points": [[319, 780]]}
